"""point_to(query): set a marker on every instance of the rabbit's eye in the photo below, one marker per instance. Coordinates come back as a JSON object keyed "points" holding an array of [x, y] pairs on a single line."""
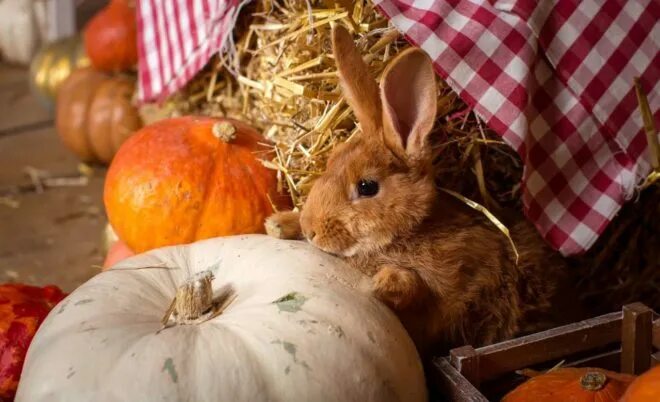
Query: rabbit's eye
{"points": [[367, 188]]}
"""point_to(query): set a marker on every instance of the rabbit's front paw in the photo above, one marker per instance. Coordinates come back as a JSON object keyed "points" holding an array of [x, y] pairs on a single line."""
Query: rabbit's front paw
{"points": [[284, 225], [399, 288]]}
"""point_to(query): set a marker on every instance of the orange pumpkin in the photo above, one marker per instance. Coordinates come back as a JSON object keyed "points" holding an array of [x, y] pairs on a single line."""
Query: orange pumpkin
{"points": [[22, 309], [111, 37], [118, 251], [184, 179], [95, 114], [572, 385], [646, 388]]}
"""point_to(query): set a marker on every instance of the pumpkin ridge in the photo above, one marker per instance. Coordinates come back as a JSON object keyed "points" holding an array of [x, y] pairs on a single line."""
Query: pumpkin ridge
{"points": [[113, 132], [563, 388], [607, 395], [116, 130], [92, 145], [260, 183], [213, 172], [121, 129], [243, 337], [248, 187], [88, 133]]}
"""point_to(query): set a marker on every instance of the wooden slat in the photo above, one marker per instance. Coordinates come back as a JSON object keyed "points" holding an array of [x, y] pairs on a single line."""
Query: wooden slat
{"points": [[607, 360], [636, 338], [504, 357], [656, 333], [466, 360], [655, 359], [453, 386]]}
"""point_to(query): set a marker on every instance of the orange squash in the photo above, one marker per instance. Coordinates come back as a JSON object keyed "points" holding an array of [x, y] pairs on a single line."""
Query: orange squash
{"points": [[95, 114], [572, 385], [185, 179], [111, 37], [22, 309], [646, 388], [117, 252]]}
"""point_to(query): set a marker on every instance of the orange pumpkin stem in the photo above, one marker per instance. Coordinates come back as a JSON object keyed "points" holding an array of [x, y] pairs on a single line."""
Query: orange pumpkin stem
{"points": [[593, 381], [225, 131]]}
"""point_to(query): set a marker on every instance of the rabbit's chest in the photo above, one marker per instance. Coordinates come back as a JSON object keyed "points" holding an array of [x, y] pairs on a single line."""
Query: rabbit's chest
{"points": [[408, 255], [446, 250]]}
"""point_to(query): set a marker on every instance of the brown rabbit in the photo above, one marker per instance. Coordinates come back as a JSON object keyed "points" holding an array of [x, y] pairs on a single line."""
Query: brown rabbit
{"points": [[446, 270]]}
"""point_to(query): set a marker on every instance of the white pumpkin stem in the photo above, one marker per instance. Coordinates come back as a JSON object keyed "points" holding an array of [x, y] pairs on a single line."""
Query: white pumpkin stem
{"points": [[194, 298], [194, 303]]}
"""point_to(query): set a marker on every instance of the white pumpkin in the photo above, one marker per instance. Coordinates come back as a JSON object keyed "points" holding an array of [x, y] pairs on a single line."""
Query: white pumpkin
{"points": [[293, 326], [22, 29]]}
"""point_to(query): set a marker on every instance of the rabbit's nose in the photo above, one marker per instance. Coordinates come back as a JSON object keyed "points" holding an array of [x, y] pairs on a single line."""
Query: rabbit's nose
{"points": [[310, 236]]}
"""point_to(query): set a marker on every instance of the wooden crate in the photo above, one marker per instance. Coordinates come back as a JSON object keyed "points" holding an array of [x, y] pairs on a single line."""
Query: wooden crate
{"points": [[626, 341]]}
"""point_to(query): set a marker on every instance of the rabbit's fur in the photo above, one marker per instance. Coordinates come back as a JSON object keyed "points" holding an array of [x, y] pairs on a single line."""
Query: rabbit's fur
{"points": [[446, 270]]}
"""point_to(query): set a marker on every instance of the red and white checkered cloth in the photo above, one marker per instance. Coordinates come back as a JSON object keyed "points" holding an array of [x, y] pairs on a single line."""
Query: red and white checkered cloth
{"points": [[176, 38], [554, 78]]}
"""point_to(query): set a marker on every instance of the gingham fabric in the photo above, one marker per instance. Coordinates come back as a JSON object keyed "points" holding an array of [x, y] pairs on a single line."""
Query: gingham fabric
{"points": [[553, 77], [176, 38]]}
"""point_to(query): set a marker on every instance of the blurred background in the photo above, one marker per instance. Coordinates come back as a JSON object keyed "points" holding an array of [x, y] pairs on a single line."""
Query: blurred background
{"points": [[51, 210]]}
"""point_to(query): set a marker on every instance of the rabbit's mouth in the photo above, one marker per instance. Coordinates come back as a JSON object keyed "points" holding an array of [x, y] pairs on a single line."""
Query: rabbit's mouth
{"points": [[330, 235], [347, 246], [349, 251]]}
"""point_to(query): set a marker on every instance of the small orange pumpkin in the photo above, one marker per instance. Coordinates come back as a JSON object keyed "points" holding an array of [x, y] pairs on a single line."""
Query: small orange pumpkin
{"points": [[646, 388], [22, 309], [117, 252], [185, 179], [111, 37], [95, 114], [572, 385]]}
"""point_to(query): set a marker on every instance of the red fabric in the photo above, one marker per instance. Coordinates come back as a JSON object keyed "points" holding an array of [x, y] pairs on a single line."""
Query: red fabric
{"points": [[554, 78], [22, 309]]}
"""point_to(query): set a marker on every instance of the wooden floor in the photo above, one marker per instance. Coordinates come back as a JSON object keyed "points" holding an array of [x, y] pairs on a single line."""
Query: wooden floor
{"points": [[53, 236]]}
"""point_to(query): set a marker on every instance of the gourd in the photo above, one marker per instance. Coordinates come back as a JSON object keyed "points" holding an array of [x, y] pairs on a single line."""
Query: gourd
{"points": [[118, 251], [108, 238], [646, 388], [22, 310], [572, 385], [95, 114], [111, 37], [52, 64], [22, 29], [190, 178], [250, 318]]}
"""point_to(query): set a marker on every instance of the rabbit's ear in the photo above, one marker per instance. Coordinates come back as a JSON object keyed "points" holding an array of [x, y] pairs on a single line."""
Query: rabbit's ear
{"points": [[359, 87], [409, 98]]}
